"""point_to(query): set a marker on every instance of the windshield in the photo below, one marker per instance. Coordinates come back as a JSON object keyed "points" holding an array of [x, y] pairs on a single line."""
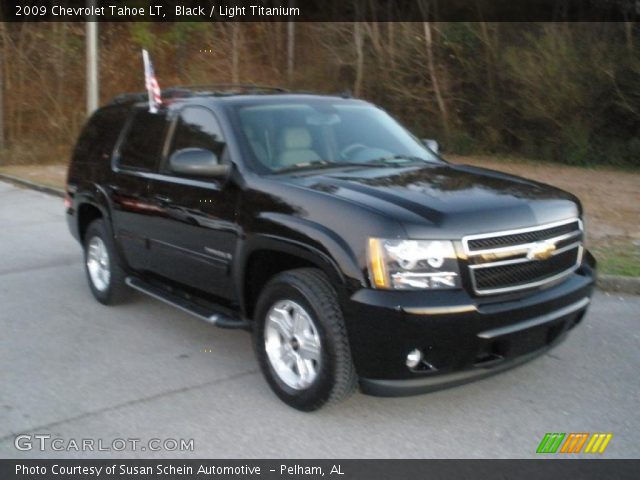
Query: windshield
{"points": [[292, 136]]}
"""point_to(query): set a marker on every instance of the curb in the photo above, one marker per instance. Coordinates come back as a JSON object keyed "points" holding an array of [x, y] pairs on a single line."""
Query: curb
{"points": [[608, 283], [619, 284], [58, 192]]}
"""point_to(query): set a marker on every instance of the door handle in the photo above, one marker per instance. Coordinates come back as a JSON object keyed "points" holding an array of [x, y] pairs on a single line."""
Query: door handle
{"points": [[162, 199]]}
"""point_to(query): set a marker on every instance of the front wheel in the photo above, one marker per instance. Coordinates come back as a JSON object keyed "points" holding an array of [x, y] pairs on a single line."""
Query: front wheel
{"points": [[301, 340]]}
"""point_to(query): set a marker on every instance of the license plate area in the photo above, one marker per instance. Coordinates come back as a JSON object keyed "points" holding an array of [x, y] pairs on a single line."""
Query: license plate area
{"points": [[526, 341], [519, 343]]}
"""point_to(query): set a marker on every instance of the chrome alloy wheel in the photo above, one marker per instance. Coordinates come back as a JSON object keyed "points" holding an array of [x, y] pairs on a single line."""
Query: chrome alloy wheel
{"points": [[98, 264], [292, 344]]}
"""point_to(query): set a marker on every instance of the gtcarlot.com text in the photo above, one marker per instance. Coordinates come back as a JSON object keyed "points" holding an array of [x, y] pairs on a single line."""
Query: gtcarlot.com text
{"points": [[46, 443]]}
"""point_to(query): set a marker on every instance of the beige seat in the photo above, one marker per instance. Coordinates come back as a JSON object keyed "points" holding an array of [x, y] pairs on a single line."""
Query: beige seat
{"points": [[296, 147]]}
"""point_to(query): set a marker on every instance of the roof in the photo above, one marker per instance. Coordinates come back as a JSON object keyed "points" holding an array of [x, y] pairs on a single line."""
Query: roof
{"points": [[220, 90]]}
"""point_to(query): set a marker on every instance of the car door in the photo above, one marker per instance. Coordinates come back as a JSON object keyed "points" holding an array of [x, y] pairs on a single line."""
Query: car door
{"points": [[194, 233], [136, 158]]}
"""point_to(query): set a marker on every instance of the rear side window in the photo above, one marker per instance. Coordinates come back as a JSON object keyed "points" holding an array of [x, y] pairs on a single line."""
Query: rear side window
{"points": [[142, 146], [197, 127], [100, 134]]}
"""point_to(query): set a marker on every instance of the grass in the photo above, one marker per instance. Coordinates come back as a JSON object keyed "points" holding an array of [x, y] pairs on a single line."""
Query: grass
{"points": [[619, 258]]}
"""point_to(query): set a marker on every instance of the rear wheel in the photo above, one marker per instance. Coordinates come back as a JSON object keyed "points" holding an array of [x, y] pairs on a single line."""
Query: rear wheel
{"points": [[301, 341], [104, 273]]}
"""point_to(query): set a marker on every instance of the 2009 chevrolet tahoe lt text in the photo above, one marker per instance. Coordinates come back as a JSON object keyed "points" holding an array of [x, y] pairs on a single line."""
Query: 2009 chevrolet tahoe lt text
{"points": [[351, 250]]}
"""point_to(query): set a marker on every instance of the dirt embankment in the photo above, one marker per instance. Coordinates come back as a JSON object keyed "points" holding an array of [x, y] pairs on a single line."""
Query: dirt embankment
{"points": [[611, 198]]}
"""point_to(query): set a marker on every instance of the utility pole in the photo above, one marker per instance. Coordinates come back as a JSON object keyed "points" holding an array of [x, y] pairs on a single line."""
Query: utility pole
{"points": [[291, 45], [2, 139], [3, 51], [92, 61]]}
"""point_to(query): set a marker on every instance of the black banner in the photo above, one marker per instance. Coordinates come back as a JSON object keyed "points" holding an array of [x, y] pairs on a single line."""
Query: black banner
{"points": [[319, 10], [338, 469]]}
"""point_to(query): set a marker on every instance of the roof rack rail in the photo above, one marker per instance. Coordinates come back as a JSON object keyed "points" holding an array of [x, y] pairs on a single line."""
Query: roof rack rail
{"points": [[190, 90], [241, 86]]}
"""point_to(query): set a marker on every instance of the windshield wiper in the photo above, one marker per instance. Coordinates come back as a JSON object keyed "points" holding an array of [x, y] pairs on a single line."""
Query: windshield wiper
{"points": [[317, 164], [388, 161], [392, 160]]}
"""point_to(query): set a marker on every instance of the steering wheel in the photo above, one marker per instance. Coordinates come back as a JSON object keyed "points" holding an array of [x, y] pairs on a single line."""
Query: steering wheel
{"points": [[348, 151]]}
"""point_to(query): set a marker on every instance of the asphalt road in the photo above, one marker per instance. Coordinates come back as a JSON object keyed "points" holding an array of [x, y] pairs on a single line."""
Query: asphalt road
{"points": [[74, 369]]}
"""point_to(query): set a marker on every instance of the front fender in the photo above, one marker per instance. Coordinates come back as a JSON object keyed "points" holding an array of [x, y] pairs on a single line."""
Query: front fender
{"points": [[307, 240]]}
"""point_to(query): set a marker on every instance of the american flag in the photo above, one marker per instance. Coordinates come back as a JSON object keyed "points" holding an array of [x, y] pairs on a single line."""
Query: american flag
{"points": [[155, 100]]}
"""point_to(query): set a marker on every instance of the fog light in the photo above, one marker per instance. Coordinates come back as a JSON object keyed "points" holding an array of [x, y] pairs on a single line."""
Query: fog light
{"points": [[414, 358]]}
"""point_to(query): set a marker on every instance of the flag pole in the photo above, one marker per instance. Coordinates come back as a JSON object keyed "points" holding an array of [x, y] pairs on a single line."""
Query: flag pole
{"points": [[147, 69]]}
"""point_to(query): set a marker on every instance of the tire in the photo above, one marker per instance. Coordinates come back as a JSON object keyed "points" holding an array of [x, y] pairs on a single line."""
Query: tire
{"points": [[100, 255], [329, 375]]}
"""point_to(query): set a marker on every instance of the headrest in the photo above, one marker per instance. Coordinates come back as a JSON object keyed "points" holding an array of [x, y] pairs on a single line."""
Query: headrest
{"points": [[296, 138]]}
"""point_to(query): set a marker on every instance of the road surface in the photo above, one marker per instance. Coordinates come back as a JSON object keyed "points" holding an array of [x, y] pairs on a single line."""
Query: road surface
{"points": [[74, 369]]}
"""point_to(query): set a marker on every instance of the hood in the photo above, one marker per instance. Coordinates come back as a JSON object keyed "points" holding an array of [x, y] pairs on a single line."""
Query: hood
{"points": [[456, 199]]}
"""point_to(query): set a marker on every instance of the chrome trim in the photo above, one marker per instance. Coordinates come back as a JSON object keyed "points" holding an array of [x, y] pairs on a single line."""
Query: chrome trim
{"points": [[426, 274], [98, 264], [525, 286], [292, 344], [449, 310], [504, 233], [521, 247], [534, 322], [518, 250], [523, 259]]}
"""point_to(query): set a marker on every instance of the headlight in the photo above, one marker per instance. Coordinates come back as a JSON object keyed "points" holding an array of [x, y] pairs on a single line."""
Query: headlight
{"points": [[413, 264]]}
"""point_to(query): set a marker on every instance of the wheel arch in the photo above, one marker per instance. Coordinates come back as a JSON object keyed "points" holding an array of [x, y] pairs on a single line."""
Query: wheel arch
{"points": [[90, 206], [265, 257]]}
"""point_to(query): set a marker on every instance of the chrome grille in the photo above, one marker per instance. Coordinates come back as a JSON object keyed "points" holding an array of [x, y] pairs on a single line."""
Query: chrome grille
{"points": [[523, 237], [525, 258]]}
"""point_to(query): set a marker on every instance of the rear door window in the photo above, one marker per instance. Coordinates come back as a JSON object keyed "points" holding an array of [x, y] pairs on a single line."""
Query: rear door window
{"points": [[100, 134], [143, 144]]}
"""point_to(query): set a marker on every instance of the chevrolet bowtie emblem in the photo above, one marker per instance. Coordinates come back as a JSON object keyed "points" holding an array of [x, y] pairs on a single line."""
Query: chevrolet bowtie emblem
{"points": [[541, 251]]}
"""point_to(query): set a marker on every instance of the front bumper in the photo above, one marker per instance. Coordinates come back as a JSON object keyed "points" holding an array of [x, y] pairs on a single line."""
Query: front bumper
{"points": [[463, 338]]}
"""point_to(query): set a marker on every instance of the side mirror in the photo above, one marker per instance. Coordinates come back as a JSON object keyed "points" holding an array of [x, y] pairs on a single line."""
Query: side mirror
{"points": [[431, 144], [197, 162]]}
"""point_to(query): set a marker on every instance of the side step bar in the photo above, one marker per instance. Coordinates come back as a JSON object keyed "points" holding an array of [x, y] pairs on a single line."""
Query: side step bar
{"points": [[216, 317]]}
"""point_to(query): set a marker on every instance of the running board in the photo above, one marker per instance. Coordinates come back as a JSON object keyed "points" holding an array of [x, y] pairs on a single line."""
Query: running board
{"points": [[218, 318]]}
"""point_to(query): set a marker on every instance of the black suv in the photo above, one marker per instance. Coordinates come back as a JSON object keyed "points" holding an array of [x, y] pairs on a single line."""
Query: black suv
{"points": [[354, 253]]}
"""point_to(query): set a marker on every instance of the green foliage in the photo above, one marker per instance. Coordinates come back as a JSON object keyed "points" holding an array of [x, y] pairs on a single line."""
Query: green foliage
{"points": [[141, 34], [181, 32], [462, 144], [618, 258], [567, 93]]}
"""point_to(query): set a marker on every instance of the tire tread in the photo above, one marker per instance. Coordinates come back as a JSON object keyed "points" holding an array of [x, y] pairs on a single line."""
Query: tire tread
{"points": [[315, 287], [346, 378]]}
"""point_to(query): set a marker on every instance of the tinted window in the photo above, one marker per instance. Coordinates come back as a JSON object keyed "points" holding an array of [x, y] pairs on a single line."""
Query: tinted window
{"points": [[100, 134], [198, 128], [142, 146]]}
